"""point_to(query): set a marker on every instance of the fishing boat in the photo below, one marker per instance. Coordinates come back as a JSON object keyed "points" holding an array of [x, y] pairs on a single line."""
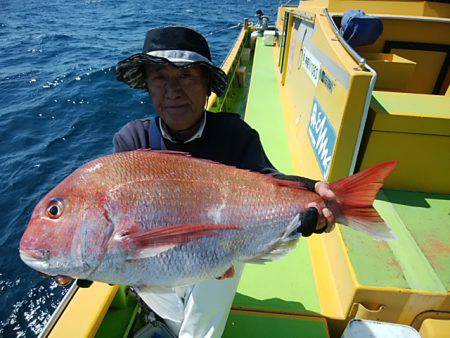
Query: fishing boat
{"points": [[326, 108]]}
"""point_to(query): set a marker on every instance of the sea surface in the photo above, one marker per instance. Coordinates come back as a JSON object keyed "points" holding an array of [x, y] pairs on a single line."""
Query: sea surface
{"points": [[60, 106]]}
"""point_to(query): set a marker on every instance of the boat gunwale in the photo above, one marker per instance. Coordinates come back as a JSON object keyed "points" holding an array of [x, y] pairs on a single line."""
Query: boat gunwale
{"points": [[402, 17], [56, 315], [228, 62]]}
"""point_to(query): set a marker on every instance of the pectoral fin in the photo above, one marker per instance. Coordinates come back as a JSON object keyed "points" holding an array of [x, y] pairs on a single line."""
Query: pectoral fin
{"points": [[230, 273], [279, 246], [155, 241]]}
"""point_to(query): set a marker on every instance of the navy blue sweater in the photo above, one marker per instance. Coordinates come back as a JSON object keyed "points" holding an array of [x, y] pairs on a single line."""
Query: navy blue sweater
{"points": [[226, 139]]}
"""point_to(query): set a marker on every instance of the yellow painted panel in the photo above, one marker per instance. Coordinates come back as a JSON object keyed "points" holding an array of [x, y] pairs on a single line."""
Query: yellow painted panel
{"points": [[287, 51], [85, 311], [424, 160], [397, 305], [343, 104], [445, 88], [405, 7], [393, 72], [342, 297], [437, 9], [445, 306], [343, 110], [428, 66], [409, 30], [435, 328], [335, 277], [325, 39], [348, 132], [411, 113]]}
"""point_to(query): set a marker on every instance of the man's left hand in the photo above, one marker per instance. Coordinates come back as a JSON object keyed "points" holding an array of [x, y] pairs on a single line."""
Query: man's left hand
{"points": [[324, 191]]}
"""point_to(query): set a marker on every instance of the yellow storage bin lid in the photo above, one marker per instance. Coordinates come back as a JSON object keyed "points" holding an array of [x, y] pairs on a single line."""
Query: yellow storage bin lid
{"points": [[393, 71], [411, 113], [435, 328]]}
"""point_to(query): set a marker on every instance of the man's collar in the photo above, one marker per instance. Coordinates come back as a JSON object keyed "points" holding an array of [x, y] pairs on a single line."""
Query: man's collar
{"points": [[198, 134]]}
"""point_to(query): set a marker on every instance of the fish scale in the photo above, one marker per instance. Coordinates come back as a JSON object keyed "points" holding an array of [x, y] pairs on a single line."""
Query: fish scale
{"points": [[164, 218], [181, 203]]}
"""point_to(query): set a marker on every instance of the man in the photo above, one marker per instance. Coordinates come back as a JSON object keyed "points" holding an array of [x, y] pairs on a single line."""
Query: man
{"points": [[176, 69]]}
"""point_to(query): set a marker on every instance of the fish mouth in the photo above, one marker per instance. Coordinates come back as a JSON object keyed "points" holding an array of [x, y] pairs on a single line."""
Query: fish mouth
{"points": [[35, 258]]}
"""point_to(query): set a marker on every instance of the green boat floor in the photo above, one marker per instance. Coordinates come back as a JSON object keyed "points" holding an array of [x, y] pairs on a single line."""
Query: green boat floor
{"points": [[256, 325], [286, 285], [427, 218], [419, 258], [120, 316], [264, 111]]}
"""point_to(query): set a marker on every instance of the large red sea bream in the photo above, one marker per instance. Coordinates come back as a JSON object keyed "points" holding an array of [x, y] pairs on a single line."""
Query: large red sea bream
{"points": [[164, 218]]}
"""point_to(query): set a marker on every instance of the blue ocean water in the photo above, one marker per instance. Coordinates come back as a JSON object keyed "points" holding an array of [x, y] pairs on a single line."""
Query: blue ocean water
{"points": [[60, 106]]}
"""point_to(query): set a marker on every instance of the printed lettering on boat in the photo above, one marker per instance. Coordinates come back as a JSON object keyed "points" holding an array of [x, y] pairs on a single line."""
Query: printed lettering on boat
{"points": [[327, 81], [311, 66], [322, 136]]}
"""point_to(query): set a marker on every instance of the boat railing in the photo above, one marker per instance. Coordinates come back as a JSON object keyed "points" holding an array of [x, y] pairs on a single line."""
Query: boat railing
{"points": [[354, 54], [59, 310], [229, 66]]}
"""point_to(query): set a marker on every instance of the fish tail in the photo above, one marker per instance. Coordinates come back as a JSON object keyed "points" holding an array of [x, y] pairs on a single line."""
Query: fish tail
{"points": [[355, 196]]}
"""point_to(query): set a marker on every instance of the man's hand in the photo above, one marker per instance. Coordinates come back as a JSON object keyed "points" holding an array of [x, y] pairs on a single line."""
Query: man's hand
{"points": [[324, 191]]}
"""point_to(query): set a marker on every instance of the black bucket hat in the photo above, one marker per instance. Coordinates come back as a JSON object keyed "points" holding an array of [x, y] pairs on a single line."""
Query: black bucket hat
{"points": [[178, 46]]}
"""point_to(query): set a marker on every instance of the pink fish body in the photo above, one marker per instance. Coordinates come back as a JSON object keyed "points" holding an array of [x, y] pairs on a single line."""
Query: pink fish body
{"points": [[167, 219]]}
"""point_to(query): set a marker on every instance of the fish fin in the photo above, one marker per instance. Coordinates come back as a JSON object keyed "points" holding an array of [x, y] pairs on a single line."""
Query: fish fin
{"points": [[186, 154], [152, 242], [280, 246], [290, 184], [355, 196], [169, 152], [173, 152], [152, 251], [280, 182], [257, 260], [230, 273]]}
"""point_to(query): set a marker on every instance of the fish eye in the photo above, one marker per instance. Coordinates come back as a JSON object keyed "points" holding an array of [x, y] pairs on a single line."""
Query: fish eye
{"points": [[55, 209]]}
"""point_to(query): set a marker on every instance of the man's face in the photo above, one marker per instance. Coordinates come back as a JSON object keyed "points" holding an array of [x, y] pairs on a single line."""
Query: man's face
{"points": [[179, 94]]}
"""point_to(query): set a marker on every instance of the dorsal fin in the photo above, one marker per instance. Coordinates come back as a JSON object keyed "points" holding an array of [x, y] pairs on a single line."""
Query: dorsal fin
{"points": [[185, 154], [277, 181], [168, 152]]}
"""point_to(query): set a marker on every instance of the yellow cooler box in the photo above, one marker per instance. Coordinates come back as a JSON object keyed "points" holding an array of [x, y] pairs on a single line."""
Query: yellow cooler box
{"points": [[413, 129]]}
